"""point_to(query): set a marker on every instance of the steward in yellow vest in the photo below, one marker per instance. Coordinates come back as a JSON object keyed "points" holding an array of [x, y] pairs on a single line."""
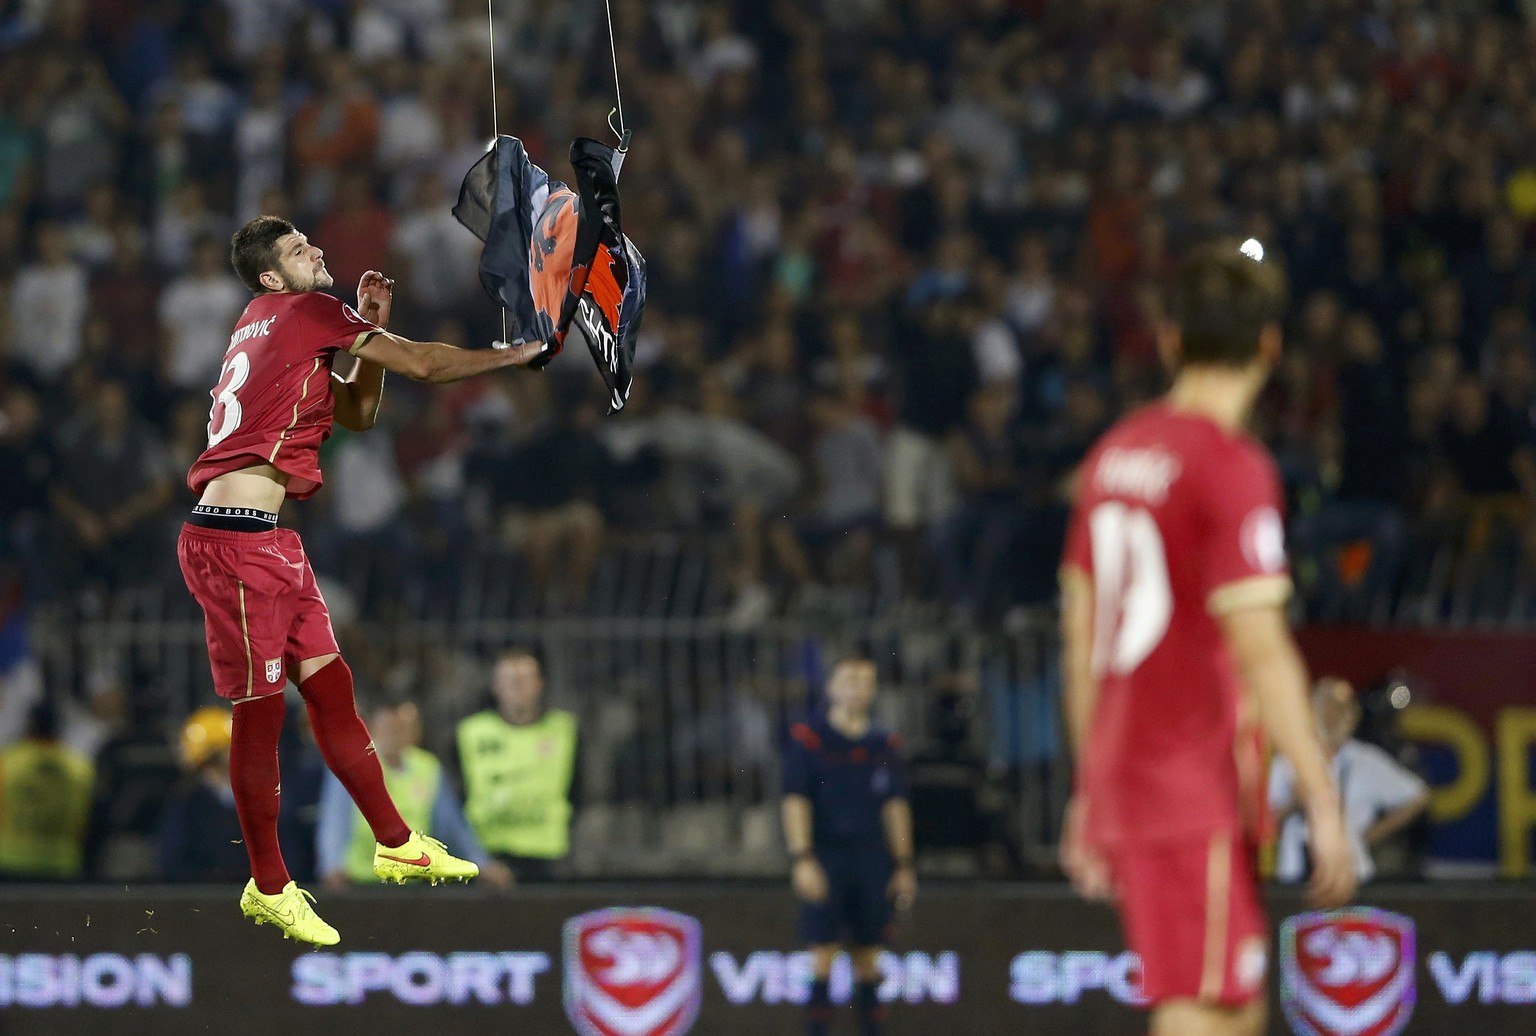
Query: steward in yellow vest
{"points": [[45, 802], [518, 763], [344, 841]]}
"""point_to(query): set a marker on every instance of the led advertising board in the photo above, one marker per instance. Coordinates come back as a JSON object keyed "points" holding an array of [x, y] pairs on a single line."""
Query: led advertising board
{"points": [[669, 960]]}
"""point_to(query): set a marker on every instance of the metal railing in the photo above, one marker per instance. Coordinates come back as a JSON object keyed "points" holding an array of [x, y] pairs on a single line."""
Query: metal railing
{"points": [[682, 720]]}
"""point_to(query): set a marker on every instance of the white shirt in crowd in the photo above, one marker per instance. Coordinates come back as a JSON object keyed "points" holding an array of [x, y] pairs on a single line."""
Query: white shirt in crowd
{"points": [[197, 313], [261, 134], [368, 492], [48, 305], [444, 258], [996, 349], [1371, 783]]}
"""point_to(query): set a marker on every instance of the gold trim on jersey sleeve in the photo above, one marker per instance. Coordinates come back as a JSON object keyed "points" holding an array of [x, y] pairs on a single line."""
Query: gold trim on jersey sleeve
{"points": [[1252, 592], [1073, 581], [361, 340]]}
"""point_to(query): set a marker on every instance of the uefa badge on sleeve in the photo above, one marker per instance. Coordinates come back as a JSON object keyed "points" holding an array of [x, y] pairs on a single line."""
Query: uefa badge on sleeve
{"points": [[1347, 972], [632, 972]]}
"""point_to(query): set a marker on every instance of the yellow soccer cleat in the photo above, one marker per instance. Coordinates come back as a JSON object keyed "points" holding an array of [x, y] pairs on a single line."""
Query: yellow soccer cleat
{"points": [[420, 859], [290, 910]]}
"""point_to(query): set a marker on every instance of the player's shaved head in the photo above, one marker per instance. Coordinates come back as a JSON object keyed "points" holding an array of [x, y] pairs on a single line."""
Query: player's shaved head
{"points": [[253, 249], [1226, 296]]}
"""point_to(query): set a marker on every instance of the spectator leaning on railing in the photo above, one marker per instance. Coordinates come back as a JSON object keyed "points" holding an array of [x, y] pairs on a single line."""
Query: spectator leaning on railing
{"points": [[1381, 796]]}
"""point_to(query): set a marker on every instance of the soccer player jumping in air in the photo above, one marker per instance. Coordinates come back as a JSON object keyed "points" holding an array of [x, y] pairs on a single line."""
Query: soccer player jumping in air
{"points": [[1174, 586], [266, 622]]}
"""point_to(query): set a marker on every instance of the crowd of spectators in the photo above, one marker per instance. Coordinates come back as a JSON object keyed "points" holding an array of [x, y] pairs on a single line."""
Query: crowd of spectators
{"points": [[906, 261]]}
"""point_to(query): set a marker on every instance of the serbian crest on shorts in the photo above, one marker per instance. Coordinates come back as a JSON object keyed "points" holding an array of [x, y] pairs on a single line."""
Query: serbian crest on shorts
{"points": [[632, 972], [274, 670], [1347, 972]]}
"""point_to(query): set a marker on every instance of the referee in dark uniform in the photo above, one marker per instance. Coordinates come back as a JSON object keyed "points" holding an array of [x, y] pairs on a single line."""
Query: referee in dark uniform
{"points": [[849, 828]]}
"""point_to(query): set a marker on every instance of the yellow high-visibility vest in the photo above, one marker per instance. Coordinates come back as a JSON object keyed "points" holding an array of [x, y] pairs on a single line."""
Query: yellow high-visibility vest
{"points": [[517, 782], [414, 787], [45, 804]]}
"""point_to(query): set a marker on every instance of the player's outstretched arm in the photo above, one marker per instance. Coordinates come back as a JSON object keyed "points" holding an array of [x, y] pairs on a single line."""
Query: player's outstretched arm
{"points": [[438, 362], [1274, 672]]}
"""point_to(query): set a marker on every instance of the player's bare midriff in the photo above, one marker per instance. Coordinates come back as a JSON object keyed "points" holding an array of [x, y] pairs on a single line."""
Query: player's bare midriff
{"points": [[260, 486]]}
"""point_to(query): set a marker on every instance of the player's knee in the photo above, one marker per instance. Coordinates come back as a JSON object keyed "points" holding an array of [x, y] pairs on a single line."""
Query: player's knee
{"points": [[821, 960], [308, 667], [1191, 1017], [328, 676], [866, 963]]}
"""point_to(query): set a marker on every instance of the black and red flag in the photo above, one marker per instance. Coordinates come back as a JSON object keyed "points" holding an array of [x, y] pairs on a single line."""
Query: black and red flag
{"points": [[557, 260]]}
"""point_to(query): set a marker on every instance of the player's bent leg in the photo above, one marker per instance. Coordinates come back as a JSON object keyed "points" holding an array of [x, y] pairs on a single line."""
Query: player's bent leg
{"points": [[347, 747], [1188, 1017], [290, 911], [420, 858]]}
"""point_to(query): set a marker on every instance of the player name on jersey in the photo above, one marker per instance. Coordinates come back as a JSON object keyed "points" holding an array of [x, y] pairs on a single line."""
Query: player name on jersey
{"points": [[258, 329], [1142, 474]]}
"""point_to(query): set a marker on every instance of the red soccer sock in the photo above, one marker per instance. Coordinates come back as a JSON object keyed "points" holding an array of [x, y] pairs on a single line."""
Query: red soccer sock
{"points": [[257, 787], [348, 749]]}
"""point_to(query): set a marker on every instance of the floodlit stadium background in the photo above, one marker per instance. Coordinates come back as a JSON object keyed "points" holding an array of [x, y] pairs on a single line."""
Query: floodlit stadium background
{"points": [[905, 262]]}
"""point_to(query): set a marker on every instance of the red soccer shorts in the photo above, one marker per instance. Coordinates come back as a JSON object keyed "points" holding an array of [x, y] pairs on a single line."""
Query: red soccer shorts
{"points": [[1191, 910], [261, 608]]}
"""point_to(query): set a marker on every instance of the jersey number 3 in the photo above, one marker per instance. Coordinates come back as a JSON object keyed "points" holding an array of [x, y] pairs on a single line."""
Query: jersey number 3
{"points": [[225, 416], [1133, 600]]}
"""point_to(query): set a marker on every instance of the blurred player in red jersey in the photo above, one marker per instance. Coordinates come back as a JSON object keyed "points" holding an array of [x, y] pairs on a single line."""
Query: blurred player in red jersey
{"points": [[274, 403], [1174, 587]]}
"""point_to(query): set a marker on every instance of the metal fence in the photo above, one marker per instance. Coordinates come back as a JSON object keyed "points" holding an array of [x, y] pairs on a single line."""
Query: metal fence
{"points": [[683, 720]]}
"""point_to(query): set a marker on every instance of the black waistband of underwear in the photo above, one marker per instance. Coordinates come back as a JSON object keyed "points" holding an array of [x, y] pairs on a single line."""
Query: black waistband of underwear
{"points": [[232, 519]]}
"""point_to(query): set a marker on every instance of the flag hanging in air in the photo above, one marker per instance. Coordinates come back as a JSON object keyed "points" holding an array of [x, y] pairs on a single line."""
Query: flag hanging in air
{"points": [[556, 260]]}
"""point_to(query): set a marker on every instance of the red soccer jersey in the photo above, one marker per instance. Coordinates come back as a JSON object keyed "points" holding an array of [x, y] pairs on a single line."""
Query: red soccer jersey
{"points": [[1176, 521], [272, 404]]}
